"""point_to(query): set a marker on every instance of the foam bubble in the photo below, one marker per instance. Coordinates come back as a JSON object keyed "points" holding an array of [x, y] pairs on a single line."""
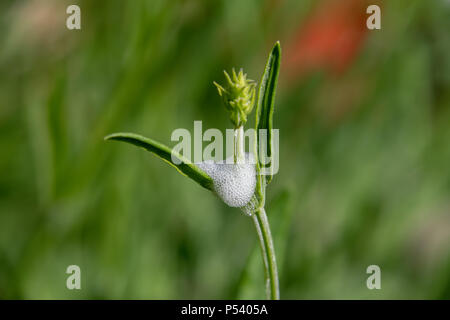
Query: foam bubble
{"points": [[234, 183]]}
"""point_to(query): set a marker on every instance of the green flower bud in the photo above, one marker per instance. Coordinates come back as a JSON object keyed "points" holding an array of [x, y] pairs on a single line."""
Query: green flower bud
{"points": [[238, 96]]}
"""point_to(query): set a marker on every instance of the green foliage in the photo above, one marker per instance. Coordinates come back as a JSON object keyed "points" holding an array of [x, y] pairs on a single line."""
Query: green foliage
{"points": [[183, 165], [364, 154], [264, 116], [238, 99]]}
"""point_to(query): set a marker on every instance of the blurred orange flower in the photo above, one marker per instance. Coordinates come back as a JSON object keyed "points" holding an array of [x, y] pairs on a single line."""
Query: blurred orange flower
{"points": [[329, 39]]}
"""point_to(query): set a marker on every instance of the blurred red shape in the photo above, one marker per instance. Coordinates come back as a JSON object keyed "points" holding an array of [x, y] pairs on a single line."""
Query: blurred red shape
{"points": [[329, 39]]}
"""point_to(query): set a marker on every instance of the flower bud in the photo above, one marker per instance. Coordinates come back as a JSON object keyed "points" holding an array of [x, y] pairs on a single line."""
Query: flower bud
{"points": [[238, 96]]}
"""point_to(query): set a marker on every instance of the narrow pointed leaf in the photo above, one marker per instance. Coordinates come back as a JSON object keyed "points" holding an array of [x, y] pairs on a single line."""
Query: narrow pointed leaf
{"points": [[264, 111], [185, 166]]}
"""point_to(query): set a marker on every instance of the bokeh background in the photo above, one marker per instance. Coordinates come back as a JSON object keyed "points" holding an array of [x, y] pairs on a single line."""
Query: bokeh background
{"points": [[364, 119]]}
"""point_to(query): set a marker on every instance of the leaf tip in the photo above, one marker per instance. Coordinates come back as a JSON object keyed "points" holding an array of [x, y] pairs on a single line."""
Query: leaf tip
{"points": [[117, 136], [277, 48], [110, 136]]}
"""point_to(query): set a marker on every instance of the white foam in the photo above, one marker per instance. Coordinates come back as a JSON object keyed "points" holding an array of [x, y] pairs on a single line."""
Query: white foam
{"points": [[234, 183]]}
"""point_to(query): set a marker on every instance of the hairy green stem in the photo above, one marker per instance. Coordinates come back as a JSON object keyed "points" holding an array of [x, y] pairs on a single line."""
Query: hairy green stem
{"points": [[239, 154], [268, 254]]}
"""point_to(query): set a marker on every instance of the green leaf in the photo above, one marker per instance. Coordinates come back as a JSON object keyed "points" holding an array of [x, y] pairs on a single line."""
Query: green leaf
{"points": [[264, 111], [185, 166]]}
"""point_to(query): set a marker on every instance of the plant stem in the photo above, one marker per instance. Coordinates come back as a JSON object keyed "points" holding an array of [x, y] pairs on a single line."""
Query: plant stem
{"points": [[268, 254], [239, 155], [262, 228]]}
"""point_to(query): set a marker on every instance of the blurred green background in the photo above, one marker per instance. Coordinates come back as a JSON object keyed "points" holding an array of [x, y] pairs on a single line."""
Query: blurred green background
{"points": [[364, 119]]}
